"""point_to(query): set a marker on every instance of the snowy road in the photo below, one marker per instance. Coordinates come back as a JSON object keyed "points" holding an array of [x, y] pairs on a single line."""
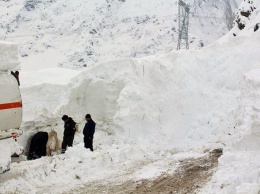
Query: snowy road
{"points": [[185, 175], [190, 176]]}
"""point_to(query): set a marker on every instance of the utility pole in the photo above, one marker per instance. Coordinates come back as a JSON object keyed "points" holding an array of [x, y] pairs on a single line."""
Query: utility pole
{"points": [[183, 15]]}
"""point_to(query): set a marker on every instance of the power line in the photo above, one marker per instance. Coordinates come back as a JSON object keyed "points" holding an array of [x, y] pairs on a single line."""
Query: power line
{"points": [[115, 24], [87, 36]]}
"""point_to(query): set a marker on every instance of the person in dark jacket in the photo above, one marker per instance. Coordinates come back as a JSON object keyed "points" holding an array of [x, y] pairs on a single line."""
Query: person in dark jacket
{"points": [[16, 75], [88, 132], [69, 132], [38, 145]]}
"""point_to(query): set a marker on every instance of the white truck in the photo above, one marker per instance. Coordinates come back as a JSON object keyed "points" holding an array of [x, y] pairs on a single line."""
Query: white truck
{"points": [[10, 104]]}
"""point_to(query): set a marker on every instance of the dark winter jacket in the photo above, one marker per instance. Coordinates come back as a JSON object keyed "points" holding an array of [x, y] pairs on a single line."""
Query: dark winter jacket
{"points": [[38, 145], [16, 77], [69, 128], [89, 129]]}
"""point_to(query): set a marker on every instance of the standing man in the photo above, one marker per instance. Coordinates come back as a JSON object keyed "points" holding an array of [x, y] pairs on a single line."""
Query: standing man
{"points": [[88, 132], [69, 131]]}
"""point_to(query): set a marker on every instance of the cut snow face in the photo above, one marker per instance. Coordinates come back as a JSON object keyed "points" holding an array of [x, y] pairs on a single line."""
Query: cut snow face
{"points": [[238, 170], [149, 113], [146, 110], [183, 97]]}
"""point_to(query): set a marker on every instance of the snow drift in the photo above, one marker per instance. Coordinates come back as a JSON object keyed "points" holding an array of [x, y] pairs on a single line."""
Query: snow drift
{"points": [[188, 95], [151, 108], [147, 111]]}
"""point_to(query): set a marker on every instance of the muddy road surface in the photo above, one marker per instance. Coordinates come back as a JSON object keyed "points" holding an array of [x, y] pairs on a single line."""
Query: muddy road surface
{"points": [[191, 175]]}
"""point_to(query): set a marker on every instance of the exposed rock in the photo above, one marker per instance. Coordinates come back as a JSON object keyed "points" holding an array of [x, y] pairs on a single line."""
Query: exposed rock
{"points": [[256, 27], [30, 5], [245, 13]]}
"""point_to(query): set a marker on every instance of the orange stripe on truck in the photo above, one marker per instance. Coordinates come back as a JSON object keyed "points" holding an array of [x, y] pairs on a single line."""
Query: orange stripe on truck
{"points": [[10, 105]]}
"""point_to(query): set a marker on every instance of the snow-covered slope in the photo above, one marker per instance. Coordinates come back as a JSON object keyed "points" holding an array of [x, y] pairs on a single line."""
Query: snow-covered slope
{"points": [[8, 56], [161, 93], [148, 112], [238, 170], [76, 34]]}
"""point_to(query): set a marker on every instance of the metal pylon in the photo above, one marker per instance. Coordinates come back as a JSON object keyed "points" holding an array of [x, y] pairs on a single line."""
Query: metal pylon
{"points": [[183, 15]]}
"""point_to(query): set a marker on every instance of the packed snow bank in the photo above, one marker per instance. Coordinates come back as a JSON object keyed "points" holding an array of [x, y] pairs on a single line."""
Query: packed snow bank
{"points": [[8, 56], [44, 93], [151, 109], [58, 76], [247, 121], [5, 159], [8, 147], [51, 88], [175, 100], [238, 170], [113, 162]]}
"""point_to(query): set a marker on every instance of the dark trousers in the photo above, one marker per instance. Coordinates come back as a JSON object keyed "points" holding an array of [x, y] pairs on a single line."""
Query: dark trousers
{"points": [[88, 141], [67, 141]]}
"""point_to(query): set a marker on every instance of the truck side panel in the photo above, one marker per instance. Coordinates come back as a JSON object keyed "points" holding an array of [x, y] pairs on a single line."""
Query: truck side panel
{"points": [[10, 103]]}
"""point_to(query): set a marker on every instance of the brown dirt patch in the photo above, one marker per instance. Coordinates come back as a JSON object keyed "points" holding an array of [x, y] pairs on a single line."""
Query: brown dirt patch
{"points": [[189, 177], [192, 174]]}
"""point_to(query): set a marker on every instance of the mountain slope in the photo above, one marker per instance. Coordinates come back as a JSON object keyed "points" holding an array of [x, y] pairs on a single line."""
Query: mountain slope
{"points": [[77, 34]]}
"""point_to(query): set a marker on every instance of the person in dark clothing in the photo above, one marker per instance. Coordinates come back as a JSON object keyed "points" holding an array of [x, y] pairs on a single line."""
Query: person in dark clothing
{"points": [[69, 132], [16, 75], [38, 145], [88, 132]]}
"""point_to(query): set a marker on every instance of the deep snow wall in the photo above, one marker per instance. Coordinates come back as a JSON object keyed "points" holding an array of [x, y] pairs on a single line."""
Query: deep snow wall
{"points": [[174, 99], [247, 121], [238, 169]]}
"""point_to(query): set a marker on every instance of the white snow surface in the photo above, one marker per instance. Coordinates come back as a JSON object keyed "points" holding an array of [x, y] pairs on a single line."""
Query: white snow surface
{"points": [[80, 34], [150, 112], [5, 159], [8, 56]]}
